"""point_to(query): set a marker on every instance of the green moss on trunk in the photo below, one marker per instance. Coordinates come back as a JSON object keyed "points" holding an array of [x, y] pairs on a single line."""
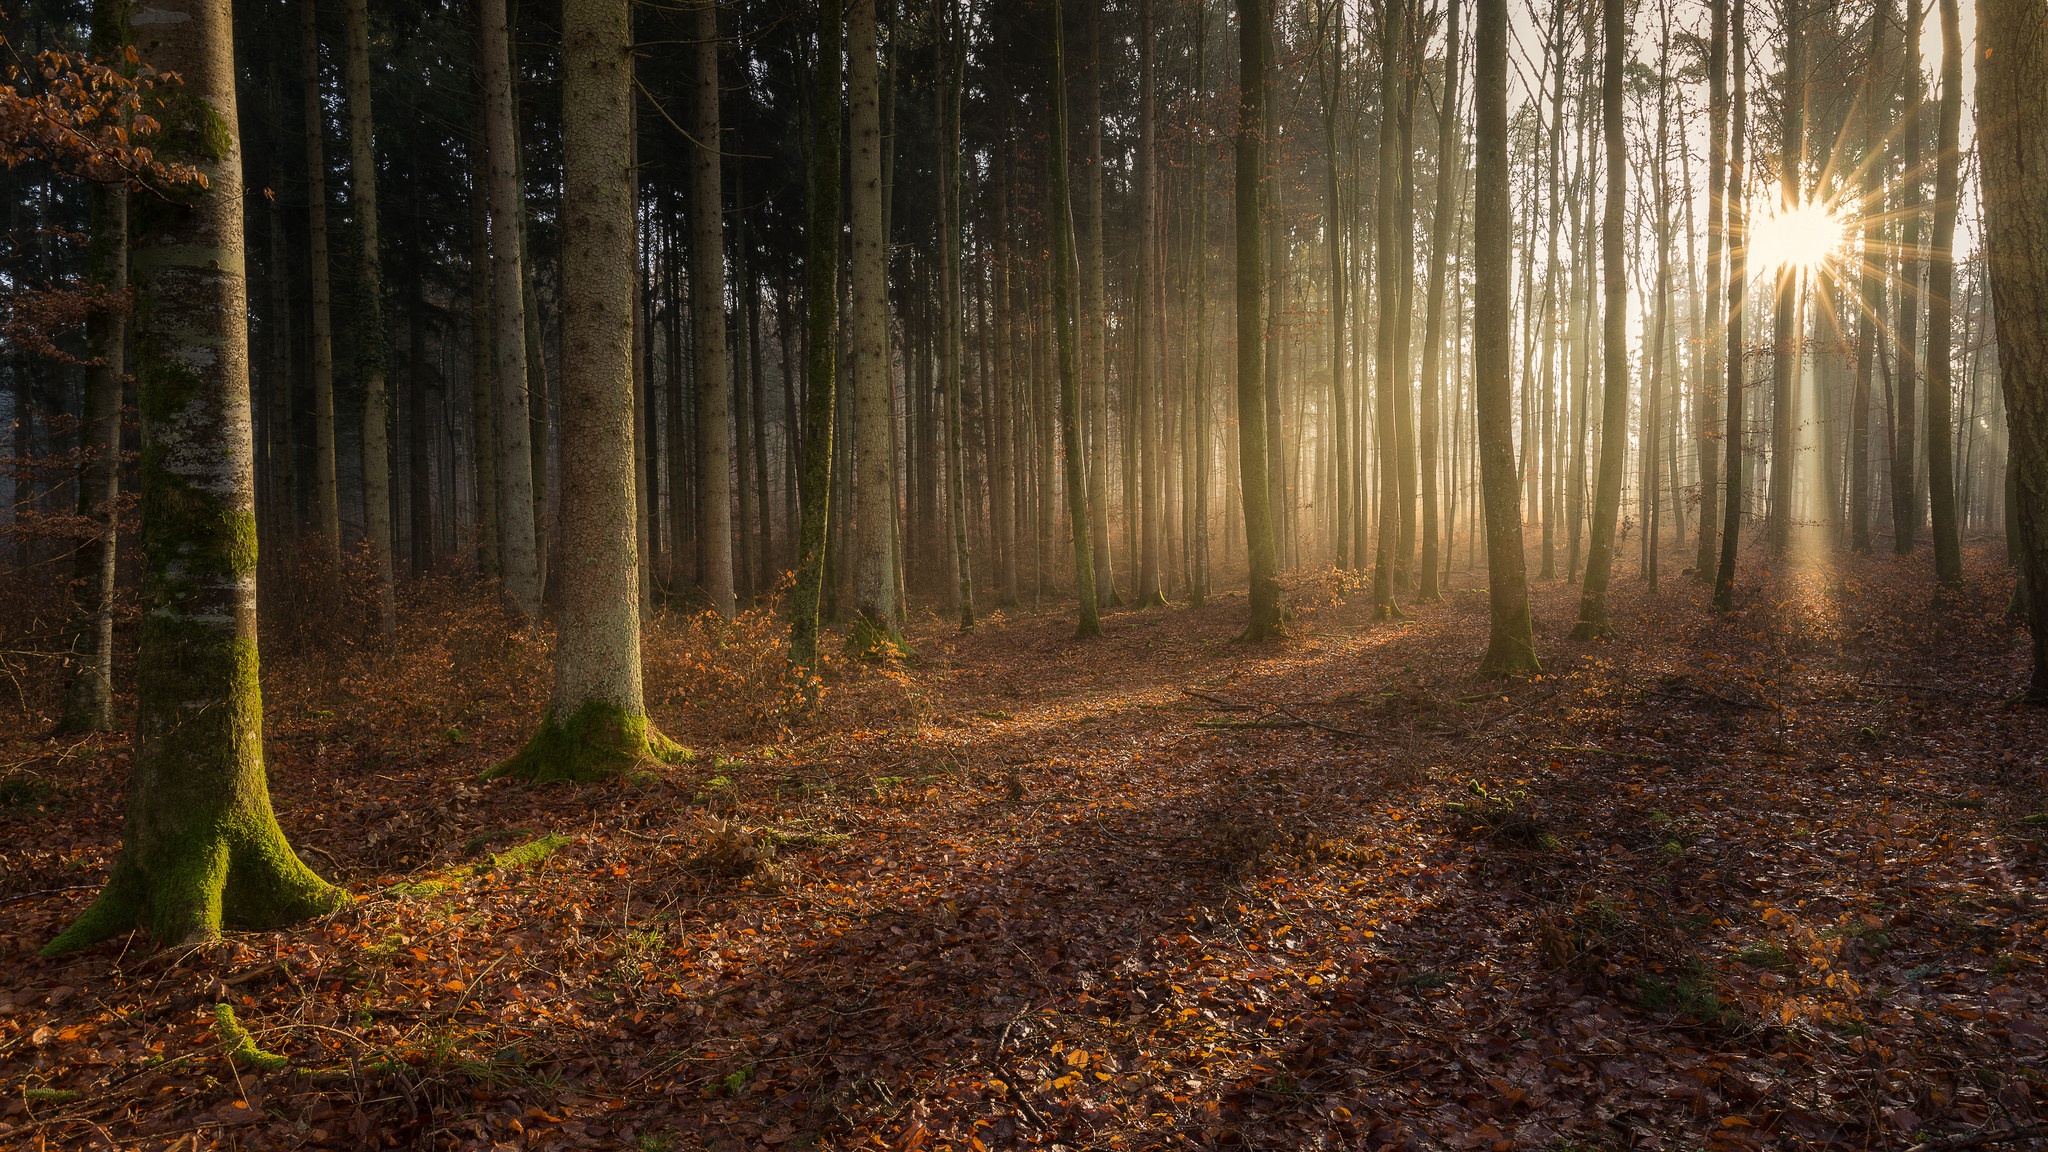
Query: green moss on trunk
{"points": [[598, 741]]}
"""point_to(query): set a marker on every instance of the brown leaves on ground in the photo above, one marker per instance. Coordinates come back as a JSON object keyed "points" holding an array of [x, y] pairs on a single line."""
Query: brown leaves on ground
{"points": [[1764, 880]]}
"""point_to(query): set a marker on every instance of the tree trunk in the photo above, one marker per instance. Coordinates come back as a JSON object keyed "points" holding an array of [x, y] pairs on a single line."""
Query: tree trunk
{"points": [[952, 348], [821, 302], [1095, 362], [1388, 289], [1146, 324], [326, 490], [516, 492], [1253, 34], [1593, 620], [1717, 214], [1738, 238], [1511, 645], [1449, 171], [483, 404], [1941, 476], [596, 724], [707, 299], [1063, 277], [2012, 104], [874, 451], [1905, 493], [1787, 349], [369, 327], [201, 846]]}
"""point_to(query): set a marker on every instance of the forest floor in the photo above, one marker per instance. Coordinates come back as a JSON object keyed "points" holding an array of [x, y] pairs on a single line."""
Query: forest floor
{"points": [[1770, 879]]}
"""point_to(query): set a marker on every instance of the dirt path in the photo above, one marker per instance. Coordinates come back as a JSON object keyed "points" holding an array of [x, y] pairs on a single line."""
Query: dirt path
{"points": [[1766, 881]]}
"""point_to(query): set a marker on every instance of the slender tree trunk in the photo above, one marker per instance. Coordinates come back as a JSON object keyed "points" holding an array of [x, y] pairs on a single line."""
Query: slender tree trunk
{"points": [[821, 302], [1095, 361], [1448, 183], [1386, 446], [596, 724], [1593, 620], [516, 493], [1787, 349], [1253, 36], [1738, 238], [952, 337], [1871, 99], [1941, 476], [1711, 357], [1146, 326], [874, 451], [1511, 645], [1905, 448], [200, 846], [369, 312], [326, 489], [707, 297], [1064, 275]]}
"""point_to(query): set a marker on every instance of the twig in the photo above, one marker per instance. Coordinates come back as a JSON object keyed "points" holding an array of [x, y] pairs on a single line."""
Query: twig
{"points": [[1219, 702], [1330, 728], [1617, 752], [19, 896], [1980, 1139]]}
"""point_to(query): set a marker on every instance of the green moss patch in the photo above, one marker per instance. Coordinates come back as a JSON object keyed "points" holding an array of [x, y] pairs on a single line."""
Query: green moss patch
{"points": [[599, 741], [241, 1047]]}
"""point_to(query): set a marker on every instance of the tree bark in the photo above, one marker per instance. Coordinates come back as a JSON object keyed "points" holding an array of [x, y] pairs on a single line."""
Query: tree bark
{"points": [[1388, 289], [1593, 620], [707, 299], [1905, 492], [1449, 171], [326, 489], [1941, 476], [1253, 35], [821, 303], [874, 451], [201, 846], [1063, 277], [517, 546], [596, 723], [2012, 104], [1738, 239], [1711, 351], [1511, 644], [1787, 349], [369, 326]]}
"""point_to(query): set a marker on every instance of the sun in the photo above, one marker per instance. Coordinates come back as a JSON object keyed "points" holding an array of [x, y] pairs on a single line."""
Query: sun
{"points": [[1802, 238]]}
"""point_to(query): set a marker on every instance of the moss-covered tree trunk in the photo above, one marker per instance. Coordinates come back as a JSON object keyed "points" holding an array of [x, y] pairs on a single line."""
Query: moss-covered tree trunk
{"points": [[821, 304], [2012, 104], [89, 697], [518, 553], [596, 724], [201, 847], [1613, 338], [1511, 647], [369, 328], [1064, 275], [1253, 36]]}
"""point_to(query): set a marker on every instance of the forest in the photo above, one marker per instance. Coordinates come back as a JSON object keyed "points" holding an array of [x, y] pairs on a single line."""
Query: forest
{"points": [[975, 574]]}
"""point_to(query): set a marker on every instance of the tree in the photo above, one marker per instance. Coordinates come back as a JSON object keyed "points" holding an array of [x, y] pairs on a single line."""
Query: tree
{"points": [[1063, 277], [1613, 339], [89, 698], [1905, 490], [518, 550], [954, 64], [1870, 285], [1449, 173], [1786, 345], [1330, 72], [1711, 352], [200, 846], [369, 327], [1151, 468], [2012, 104], [1738, 239], [874, 495], [1252, 36], [821, 304], [1941, 274], [1388, 287], [326, 487], [707, 298], [1511, 645], [596, 723]]}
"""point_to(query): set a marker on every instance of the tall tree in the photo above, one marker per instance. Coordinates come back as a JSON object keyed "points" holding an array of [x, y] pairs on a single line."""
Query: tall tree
{"points": [[707, 299], [1095, 332], [596, 723], [1787, 349], [1941, 268], [1711, 352], [2012, 104], [1253, 35], [1449, 182], [89, 697], [1330, 71], [1511, 644], [954, 46], [1063, 290], [518, 549], [1871, 102], [200, 846], [1614, 334], [1387, 262], [369, 314], [1905, 490], [320, 319], [1151, 470], [874, 498], [821, 339], [1737, 248]]}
